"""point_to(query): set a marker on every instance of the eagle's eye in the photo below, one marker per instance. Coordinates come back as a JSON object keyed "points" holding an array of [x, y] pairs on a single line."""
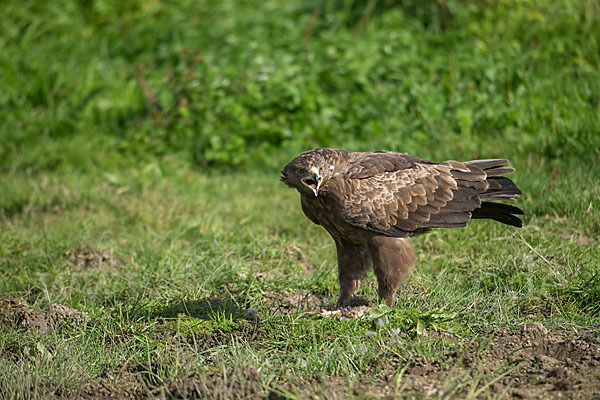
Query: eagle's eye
{"points": [[321, 170], [300, 171]]}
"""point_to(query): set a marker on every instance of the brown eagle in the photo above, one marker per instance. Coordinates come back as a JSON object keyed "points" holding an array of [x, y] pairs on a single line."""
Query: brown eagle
{"points": [[372, 202]]}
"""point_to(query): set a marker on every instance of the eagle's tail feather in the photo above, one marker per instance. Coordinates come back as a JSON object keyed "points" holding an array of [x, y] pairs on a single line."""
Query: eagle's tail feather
{"points": [[504, 213], [499, 188]]}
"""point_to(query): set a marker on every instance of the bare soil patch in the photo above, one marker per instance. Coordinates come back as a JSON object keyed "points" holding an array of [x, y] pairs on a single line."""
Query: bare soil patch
{"points": [[105, 389], [16, 312], [578, 237], [297, 301], [84, 259], [530, 363]]}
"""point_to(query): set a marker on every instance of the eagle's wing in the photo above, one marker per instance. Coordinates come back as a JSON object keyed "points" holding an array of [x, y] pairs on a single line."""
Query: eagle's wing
{"points": [[395, 194]]}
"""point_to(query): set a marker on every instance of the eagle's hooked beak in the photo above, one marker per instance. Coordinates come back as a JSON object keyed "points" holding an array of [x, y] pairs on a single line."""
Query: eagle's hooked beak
{"points": [[313, 180]]}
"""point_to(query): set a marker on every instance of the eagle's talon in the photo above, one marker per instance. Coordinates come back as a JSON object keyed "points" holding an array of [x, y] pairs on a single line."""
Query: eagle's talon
{"points": [[354, 301]]}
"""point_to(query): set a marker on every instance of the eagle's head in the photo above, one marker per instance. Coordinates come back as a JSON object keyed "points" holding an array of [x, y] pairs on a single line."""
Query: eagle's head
{"points": [[307, 172]]}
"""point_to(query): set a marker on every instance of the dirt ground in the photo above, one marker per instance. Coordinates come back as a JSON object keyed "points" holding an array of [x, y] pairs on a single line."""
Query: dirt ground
{"points": [[528, 363], [17, 312], [532, 363], [86, 259]]}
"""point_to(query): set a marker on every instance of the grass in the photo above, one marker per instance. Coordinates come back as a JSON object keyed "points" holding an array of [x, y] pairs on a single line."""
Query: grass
{"points": [[148, 140], [192, 249]]}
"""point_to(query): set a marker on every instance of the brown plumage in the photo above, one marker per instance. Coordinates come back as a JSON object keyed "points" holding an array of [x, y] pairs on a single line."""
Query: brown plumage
{"points": [[372, 202]]}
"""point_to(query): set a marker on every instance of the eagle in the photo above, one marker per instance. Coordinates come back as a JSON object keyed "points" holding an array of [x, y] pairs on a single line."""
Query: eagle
{"points": [[371, 203]]}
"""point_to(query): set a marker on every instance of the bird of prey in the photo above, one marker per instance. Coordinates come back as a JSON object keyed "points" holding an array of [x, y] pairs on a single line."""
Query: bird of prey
{"points": [[372, 202]]}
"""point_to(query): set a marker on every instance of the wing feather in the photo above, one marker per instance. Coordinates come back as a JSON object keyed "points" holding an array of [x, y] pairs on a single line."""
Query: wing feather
{"points": [[395, 194], [400, 201]]}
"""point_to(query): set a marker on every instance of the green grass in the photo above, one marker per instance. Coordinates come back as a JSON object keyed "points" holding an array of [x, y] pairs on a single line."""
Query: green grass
{"points": [[155, 131], [191, 246]]}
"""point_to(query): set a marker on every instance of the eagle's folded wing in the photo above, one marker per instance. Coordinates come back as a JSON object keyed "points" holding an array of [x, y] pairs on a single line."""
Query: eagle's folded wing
{"points": [[398, 195]]}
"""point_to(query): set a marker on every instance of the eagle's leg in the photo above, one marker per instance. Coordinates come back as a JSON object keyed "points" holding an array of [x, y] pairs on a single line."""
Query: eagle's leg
{"points": [[353, 263], [392, 259]]}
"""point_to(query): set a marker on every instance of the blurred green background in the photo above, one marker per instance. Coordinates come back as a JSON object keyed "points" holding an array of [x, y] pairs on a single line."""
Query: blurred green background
{"points": [[248, 84]]}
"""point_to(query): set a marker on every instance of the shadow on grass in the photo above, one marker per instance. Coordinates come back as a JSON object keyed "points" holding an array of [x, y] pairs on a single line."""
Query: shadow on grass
{"points": [[209, 309], [272, 304]]}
